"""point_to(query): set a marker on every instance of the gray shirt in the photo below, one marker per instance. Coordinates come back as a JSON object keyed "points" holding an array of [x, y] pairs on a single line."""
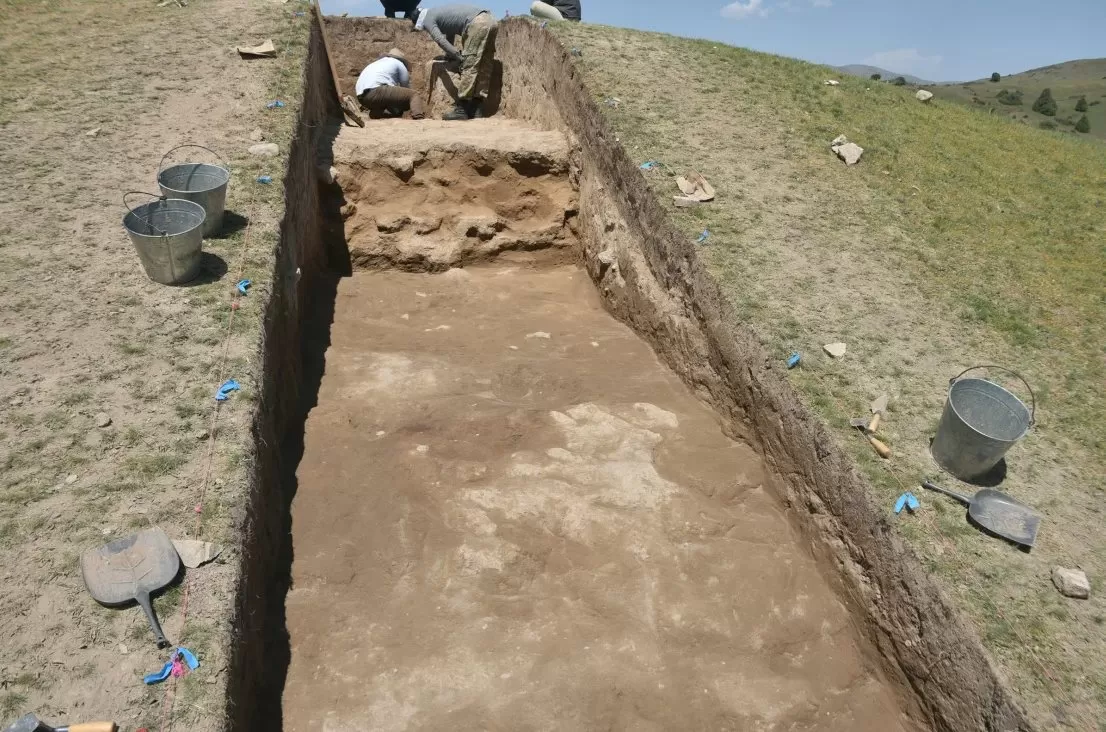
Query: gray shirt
{"points": [[446, 22]]}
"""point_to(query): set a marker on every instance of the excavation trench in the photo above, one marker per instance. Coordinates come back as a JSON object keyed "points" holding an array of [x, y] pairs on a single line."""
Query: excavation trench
{"points": [[518, 468], [509, 513]]}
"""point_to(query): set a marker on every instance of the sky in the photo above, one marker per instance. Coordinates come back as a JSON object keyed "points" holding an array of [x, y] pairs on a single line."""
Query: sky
{"points": [[937, 40]]}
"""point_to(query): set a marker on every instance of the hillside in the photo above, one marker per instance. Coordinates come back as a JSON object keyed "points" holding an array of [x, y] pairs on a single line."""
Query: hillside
{"points": [[865, 72], [959, 240], [1068, 81]]}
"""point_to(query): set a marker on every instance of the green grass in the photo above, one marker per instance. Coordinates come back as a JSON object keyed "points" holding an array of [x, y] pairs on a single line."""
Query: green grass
{"points": [[959, 239], [1068, 81]]}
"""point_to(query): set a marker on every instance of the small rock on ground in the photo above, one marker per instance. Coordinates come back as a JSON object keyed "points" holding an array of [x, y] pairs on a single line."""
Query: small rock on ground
{"points": [[1071, 582], [103, 420], [257, 135], [850, 152], [71, 479], [923, 95], [265, 149], [836, 350]]}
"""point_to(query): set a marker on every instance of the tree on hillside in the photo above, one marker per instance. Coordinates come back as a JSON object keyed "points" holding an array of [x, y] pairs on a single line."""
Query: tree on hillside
{"points": [[1081, 105], [877, 77], [1083, 125], [995, 77], [898, 81], [1045, 104], [1013, 98]]}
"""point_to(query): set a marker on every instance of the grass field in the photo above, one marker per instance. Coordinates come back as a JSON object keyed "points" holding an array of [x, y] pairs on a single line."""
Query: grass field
{"points": [[1068, 81], [960, 239]]}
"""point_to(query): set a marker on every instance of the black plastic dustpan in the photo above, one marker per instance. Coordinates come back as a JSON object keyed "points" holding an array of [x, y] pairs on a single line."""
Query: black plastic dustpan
{"points": [[130, 569]]}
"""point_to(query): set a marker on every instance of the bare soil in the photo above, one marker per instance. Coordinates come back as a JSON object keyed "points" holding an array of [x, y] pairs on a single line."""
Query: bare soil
{"points": [[511, 515]]}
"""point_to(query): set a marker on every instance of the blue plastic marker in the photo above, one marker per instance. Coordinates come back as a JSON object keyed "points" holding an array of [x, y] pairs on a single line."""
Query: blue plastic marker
{"points": [[794, 360], [275, 104], [266, 179], [243, 285], [703, 237], [908, 501]]}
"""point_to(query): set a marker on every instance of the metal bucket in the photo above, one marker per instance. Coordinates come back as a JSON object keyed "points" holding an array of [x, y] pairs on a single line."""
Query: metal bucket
{"points": [[168, 234], [981, 421], [198, 182]]}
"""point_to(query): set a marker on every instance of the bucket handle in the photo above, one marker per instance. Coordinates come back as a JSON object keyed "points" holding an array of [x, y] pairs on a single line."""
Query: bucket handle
{"points": [[161, 165], [131, 210], [1032, 396]]}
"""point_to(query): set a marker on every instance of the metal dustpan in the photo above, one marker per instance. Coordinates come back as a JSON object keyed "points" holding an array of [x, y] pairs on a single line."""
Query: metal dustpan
{"points": [[130, 569], [997, 513]]}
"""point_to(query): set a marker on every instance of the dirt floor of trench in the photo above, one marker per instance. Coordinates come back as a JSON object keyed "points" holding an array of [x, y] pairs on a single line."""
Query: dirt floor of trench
{"points": [[509, 513]]}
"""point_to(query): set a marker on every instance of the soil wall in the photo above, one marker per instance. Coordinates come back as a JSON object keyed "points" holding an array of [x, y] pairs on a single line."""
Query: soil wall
{"points": [[652, 279], [259, 657]]}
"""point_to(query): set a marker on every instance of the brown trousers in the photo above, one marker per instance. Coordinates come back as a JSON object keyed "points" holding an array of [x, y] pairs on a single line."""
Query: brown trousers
{"points": [[477, 51], [392, 100]]}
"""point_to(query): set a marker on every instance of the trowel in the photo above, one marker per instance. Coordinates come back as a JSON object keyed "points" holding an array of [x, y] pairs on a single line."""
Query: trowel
{"points": [[31, 723], [878, 407]]}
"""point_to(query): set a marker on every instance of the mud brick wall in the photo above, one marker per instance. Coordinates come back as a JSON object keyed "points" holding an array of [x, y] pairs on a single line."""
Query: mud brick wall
{"points": [[652, 279]]}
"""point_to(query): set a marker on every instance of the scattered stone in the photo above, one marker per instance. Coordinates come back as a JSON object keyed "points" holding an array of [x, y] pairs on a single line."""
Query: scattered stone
{"points": [[595, 344], [257, 135], [850, 152], [102, 419], [380, 433], [219, 482], [401, 165], [266, 49], [194, 553], [422, 449], [831, 82], [685, 201], [392, 225], [123, 650], [923, 95], [834, 350], [93, 132], [1071, 582], [71, 479], [265, 149], [348, 210], [201, 435], [427, 226], [538, 334]]}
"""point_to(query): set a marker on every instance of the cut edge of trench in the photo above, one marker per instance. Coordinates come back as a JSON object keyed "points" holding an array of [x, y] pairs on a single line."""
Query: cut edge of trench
{"points": [[658, 286]]}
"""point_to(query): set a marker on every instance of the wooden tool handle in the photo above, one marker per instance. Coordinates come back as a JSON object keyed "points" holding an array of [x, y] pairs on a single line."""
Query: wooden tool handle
{"points": [[883, 450], [93, 727], [874, 424]]}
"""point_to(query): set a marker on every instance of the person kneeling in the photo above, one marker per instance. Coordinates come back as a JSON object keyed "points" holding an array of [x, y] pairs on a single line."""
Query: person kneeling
{"points": [[383, 88]]}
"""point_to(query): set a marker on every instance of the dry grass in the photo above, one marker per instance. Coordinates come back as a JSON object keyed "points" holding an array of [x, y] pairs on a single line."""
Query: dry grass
{"points": [[83, 331], [960, 239]]}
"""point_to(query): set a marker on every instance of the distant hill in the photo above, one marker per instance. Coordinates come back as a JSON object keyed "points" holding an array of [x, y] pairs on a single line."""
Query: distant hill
{"points": [[867, 71], [1068, 81]]}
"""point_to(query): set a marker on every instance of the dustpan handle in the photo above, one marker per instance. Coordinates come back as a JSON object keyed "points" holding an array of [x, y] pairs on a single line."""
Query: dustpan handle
{"points": [[1032, 396], [161, 165], [131, 210]]}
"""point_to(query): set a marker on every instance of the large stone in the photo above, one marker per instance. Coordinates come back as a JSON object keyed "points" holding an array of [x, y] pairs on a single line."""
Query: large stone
{"points": [[1071, 582], [850, 152], [923, 95], [835, 350]]}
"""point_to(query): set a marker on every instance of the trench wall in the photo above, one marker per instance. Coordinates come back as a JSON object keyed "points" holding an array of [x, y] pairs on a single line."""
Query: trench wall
{"points": [[300, 263], [652, 279]]}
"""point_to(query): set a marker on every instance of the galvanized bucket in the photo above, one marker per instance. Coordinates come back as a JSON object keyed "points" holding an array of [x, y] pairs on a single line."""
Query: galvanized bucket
{"points": [[168, 234], [198, 182], [981, 421]]}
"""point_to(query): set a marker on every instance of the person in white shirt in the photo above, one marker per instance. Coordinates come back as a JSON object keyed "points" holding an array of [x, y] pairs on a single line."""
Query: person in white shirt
{"points": [[384, 87]]}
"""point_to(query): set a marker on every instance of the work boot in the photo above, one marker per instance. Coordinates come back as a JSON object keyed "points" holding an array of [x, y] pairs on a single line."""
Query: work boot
{"points": [[459, 112], [476, 108]]}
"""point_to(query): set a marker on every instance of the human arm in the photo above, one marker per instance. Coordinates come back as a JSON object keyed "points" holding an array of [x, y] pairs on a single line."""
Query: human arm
{"points": [[431, 27]]}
